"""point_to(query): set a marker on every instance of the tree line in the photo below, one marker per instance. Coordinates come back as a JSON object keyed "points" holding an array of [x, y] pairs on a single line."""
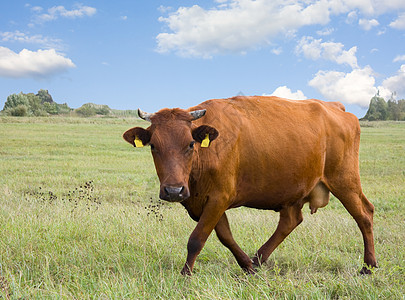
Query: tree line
{"points": [[42, 104], [379, 109]]}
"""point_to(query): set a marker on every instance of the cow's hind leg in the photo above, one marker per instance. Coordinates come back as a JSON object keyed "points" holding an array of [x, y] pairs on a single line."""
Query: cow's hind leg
{"points": [[225, 236], [362, 211], [290, 217]]}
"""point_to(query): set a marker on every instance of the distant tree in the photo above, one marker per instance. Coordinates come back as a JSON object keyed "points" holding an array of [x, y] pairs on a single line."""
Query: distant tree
{"points": [[91, 109], [51, 108], [378, 109], [15, 100], [30, 104], [401, 109], [45, 96], [42, 104], [64, 108], [35, 106], [18, 111], [396, 109], [103, 110], [381, 110], [86, 110]]}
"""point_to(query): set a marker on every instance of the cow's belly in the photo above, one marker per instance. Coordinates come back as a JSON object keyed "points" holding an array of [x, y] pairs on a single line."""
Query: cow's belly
{"points": [[262, 204], [317, 197], [274, 192], [271, 200]]}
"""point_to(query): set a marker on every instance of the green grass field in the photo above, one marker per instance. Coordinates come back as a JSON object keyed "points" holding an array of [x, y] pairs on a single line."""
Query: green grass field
{"points": [[80, 219]]}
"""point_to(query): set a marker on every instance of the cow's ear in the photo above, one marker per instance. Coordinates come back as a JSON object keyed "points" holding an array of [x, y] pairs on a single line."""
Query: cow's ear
{"points": [[137, 136], [204, 134]]}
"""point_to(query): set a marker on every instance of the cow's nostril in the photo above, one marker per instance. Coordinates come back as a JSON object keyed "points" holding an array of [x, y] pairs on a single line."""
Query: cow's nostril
{"points": [[174, 191]]}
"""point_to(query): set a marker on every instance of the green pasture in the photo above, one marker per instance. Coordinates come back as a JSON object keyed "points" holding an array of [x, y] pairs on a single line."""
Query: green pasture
{"points": [[80, 219]]}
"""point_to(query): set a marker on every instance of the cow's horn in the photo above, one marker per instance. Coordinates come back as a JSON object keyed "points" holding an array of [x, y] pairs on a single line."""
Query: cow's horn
{"points": [[144, 115], [196, 114]]}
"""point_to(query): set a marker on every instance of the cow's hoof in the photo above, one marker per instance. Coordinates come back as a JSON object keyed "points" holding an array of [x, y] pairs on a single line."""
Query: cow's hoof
{"points": [[256, 264], [250, 270], [366, 270], [186, 271]]}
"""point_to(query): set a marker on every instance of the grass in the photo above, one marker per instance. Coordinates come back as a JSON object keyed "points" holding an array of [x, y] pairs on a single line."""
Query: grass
{"points": [[80, 219]]}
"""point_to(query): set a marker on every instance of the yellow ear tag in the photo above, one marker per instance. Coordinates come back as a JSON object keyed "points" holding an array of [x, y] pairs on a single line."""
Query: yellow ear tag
{"points": [[206, 142], [138, 142]]}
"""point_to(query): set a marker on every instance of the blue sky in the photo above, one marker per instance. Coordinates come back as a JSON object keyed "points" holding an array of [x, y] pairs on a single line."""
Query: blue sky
{"points": [[155, 54]]}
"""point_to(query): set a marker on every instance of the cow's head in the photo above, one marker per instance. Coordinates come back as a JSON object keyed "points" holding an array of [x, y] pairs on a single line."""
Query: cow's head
{"points": [[172, 137]]}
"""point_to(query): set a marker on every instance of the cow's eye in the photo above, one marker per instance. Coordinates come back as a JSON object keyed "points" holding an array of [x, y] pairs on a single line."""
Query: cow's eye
{"points": [[192, 145]]}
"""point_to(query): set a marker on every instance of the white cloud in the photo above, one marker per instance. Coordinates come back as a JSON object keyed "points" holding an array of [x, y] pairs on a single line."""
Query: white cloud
{"points": [[124, 18], [37, 9], [325, 31], [309, 47], [396, 83], [277, 51], [399, 23], [351, 17], [242, 25], [315, 49], [55, 12], [41, 63], [164, 9], [18, 36], [382, 31], [368, 24], [371, 7], [399, 58], [356, 87], [235, 26], [285, 92]]}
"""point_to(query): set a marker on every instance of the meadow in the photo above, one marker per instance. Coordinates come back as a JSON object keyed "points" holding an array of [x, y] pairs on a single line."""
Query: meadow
{"points": [[80, 219]]}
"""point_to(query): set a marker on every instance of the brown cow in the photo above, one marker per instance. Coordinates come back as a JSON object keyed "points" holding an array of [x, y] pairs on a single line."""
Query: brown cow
{"points": [[263, 152]]}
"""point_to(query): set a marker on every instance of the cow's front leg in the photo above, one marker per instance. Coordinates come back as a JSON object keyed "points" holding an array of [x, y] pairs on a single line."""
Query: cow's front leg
{"points": [[208, 220]]}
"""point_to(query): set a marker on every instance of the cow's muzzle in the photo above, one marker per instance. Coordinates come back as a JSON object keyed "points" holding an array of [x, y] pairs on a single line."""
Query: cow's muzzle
{"points": [[174, 194]]}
